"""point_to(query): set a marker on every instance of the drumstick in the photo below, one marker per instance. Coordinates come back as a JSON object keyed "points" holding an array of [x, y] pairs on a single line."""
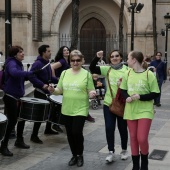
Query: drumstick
{"points": [[47, 64]]}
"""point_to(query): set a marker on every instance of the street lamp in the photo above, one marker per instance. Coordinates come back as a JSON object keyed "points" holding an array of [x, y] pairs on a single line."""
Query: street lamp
{"points": [[134, 8], [167, 23], [8, 27]]}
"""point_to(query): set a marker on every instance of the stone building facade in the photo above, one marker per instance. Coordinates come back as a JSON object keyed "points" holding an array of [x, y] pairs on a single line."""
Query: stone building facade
{"points": [[95, 17]]}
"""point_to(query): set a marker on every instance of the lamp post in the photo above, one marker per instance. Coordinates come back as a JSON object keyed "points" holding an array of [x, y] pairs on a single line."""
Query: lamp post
{"points": [[167, 23], [134, 8], [8, 27], [133, 5]]}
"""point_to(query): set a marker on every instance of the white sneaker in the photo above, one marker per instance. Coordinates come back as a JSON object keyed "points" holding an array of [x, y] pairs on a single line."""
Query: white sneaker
{"points": [[111, 157], [124, 154]]}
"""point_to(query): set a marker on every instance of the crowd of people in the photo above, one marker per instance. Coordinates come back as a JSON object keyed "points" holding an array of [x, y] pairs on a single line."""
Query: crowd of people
{"points": [[139, 85]]}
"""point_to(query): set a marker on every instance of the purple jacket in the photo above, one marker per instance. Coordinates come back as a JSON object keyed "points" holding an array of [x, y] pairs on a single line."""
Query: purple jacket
{"points": [[44, 76], [15, 77]]}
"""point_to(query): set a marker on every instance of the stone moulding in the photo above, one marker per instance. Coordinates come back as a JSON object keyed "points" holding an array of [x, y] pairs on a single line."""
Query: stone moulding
{"points": [[17, 14]]}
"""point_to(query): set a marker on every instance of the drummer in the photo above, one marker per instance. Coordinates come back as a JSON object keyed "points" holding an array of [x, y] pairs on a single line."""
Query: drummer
{"points": [[41, 82], [15, 77]]}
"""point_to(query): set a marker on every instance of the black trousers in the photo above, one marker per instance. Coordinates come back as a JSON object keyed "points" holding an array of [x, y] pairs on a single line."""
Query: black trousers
{"points": [[74, 127], [11, 111], [37, 125]]}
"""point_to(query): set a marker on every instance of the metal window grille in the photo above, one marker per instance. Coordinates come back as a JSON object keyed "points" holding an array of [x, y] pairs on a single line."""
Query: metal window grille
{"points": [[37, 20], [112, 42]]}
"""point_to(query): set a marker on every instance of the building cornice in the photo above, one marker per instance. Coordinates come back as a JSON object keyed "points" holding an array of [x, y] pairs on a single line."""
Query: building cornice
{"points": [[17, 14]]}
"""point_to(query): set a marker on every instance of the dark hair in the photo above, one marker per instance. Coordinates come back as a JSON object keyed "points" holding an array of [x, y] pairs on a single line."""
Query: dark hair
{"points": [[59, 54], [138, 56], [14, 50], [42, 49], [121, 55], [159, 53]]}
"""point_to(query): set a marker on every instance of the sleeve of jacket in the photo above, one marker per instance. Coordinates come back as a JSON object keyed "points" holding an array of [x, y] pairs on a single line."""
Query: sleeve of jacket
{"points": [[93, 68], [34, 79]]}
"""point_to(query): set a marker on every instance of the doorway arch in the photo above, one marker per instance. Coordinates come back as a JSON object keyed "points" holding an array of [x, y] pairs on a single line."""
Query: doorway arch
{"points": [[92, 38]]}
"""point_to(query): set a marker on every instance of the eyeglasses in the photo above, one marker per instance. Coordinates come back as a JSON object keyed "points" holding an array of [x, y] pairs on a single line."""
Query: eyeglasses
{"points": [[112, 56], [78, 60]]}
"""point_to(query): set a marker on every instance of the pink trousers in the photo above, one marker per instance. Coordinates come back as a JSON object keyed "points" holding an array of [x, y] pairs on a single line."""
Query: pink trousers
{"points": [[139, 131]]}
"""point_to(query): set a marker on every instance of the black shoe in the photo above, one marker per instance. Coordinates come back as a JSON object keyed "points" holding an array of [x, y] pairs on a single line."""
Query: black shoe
{"points": [[158, 104], [56, 128], [36, 139], [90, 119], [73, 161], [19, 143], [80, 161], [5, 152], [50, 132]]}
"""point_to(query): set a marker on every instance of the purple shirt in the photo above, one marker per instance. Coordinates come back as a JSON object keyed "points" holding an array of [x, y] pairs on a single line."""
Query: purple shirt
{"points": [[64, 66]]}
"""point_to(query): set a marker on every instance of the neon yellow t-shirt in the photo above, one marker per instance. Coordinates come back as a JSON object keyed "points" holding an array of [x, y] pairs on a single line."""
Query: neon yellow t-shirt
{"points": [[139, 83], [75, 92], [114, 77]]}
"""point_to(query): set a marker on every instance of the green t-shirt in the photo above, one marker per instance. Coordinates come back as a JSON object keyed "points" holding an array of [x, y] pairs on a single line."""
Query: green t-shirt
{"points": [[114, 77], [139, 83], [75, 89]]}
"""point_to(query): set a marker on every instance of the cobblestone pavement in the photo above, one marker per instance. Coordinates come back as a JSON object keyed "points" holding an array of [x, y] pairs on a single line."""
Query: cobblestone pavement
{"points": [[54, 153]]}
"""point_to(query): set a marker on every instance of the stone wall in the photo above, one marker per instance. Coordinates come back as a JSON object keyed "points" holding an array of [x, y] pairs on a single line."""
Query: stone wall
{"points": [[57, 19]]}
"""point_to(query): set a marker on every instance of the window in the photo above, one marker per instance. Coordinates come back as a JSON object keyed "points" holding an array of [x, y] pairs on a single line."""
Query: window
{"points": [[37, 20]]}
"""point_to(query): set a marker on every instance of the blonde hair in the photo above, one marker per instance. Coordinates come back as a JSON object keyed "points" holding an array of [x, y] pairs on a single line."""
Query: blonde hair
{"points": [[76, 53]]}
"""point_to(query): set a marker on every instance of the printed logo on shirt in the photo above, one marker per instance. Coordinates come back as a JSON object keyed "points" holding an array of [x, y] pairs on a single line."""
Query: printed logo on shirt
{"points": [[139, 86]]}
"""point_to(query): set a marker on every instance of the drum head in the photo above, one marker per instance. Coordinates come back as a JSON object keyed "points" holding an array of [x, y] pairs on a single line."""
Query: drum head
{"points": [[34, 100], [2, 117], [56, 99]]}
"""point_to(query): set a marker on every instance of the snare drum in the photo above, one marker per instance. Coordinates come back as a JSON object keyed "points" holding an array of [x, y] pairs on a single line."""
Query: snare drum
{"points": [[3, 125], [55, 112], [34, 109]]}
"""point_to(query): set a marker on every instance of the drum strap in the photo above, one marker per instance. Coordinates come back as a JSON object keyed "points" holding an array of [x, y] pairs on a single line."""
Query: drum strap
{"points": [[39, 90], [11, 96]]}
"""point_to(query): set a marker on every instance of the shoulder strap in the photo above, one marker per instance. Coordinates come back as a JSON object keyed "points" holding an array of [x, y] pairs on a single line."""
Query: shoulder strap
{"points": [[109, 82], [87, 78], [158, 64], [64, 74]]}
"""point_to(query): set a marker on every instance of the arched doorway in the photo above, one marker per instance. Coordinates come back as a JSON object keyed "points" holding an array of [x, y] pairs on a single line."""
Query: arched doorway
{"points": [[92, 38]]}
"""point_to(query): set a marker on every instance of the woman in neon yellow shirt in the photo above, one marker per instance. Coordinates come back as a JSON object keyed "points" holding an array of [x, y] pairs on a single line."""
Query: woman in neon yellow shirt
{"points": [[139, 88], [117, 69], [77, 86]]}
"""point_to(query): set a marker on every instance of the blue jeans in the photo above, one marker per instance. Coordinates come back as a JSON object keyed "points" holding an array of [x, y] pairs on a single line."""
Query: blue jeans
{"points": [[110, 125]]}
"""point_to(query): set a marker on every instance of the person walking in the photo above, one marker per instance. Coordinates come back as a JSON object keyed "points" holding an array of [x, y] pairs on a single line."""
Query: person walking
{"points": [[117, 69], [76, 85], [160, 70], [14, 89], [139, 87], [41, 82]]}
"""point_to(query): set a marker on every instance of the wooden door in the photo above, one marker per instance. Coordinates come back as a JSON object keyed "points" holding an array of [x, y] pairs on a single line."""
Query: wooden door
{"points": [[92, 38]]}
